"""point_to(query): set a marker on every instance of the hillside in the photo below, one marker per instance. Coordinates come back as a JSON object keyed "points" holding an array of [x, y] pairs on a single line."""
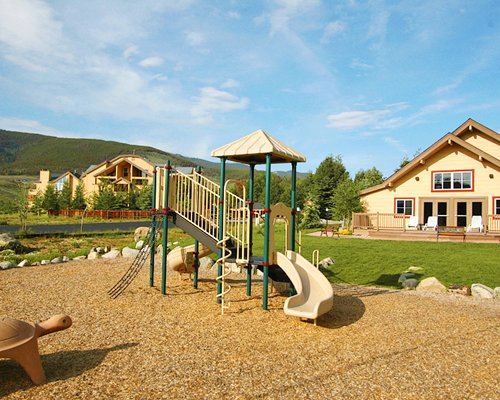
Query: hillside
{"points": [[26, 153]]}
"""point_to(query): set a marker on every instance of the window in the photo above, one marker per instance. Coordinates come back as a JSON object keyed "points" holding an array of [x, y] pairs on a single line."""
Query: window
{"points": [[125, 172], [404, 206], [496, 205], [453, 180], [60, 183]]}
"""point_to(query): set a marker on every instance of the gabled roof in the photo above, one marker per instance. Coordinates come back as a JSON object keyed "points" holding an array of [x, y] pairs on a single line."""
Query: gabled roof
{"points": [[446, 140], [253, 148], [113, 162], [75, 175], [470, 125]]}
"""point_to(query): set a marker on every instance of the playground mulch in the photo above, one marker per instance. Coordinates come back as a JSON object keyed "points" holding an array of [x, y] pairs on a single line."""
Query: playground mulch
{"points": [[375, 343]]}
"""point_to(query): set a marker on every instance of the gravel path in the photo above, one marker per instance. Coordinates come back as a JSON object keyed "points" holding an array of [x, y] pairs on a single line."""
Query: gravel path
{"points": [[374, 344]]}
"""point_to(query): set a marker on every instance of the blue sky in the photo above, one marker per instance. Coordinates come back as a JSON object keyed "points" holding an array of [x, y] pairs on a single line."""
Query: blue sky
{"points": [[370, 80]]}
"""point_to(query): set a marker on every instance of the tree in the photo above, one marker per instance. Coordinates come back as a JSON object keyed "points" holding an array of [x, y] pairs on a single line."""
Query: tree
{"points": [[310, 217], [328, 175], [346, 200], [368, 178], [22, 205], [37, 203], [104, 198], [144, 197], [79, 198], [50, 198], [64, 197]]}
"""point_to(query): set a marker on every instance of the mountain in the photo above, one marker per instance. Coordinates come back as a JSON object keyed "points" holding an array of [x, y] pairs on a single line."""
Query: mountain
{"points": [[24, 153]]}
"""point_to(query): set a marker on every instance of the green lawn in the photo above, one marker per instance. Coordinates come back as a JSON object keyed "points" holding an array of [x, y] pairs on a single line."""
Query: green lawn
{"points": [[380, 262]]}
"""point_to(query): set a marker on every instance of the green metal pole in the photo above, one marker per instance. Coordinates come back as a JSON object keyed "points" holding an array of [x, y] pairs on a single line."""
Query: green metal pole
{"points": [[221, 221], [196, 252], [166, 211], [294, 206], [153, 228], [266, 232], [250, 228]]}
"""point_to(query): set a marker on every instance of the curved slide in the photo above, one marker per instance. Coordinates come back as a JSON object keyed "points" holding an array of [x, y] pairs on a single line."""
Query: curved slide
{"points": [[314, 292]]}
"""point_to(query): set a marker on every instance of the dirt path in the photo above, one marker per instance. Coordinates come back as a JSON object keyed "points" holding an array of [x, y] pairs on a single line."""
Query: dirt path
{"points": [[374, 344]]}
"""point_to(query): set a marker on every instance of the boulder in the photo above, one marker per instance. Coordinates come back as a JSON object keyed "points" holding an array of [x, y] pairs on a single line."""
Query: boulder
{"points": [[139, 245], [410, 283], [100, 250], [141, 232], [404, 276], [159, 249], [128, 252], [482, 291], [92, 255], [326, 262], [113, 253], [206, 263], [8, 242], [107, 249], [57, 260], [496, 292], [459, 289], [431, 284], [6, 265], [65, 258], [45, 262], [79, 258], [23, 263], [415, 269]]}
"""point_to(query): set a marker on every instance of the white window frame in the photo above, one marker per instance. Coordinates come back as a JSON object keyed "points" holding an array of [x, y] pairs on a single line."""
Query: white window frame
{"points": [[405, 208], [452, 176]]}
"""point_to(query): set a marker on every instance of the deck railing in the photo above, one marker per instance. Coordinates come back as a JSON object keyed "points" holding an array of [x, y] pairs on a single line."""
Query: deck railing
{"points": [[382, 221]]}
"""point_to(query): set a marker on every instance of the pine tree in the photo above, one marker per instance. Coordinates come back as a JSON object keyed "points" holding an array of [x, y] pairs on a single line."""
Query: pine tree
{"points": [[144, 197], [64, 197], [104, 198], [346, 200], [310, 217], [50, 201], [37, 203], [79, 198], [328, 175]]}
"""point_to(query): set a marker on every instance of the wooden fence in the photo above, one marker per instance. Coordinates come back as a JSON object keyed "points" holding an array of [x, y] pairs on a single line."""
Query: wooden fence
{"points": [[104, 214]]}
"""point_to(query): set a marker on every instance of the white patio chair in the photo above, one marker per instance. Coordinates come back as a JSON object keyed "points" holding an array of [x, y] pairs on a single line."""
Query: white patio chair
{"points": [[413, 222], [476, 223], [432, 223]]}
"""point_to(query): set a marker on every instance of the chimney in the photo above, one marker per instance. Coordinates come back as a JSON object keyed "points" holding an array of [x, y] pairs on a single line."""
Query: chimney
{"points": [[44, 176]]}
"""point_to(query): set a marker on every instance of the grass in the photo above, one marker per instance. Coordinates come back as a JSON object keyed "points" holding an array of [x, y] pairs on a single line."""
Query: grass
{"points": [[44, 219], [381, 262]]}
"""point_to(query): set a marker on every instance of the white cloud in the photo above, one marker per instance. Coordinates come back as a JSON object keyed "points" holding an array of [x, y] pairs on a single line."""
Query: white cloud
{"points": [[130, 51], [332, 29], [356, 119], [195, 38], [230, 83], [233, 15], [395, 143], [151, 62], [358, 64], [212, 100], [30, 126]]}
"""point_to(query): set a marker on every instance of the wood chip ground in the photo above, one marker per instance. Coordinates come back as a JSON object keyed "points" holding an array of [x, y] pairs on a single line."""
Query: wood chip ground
{"points": [[374, 344]]}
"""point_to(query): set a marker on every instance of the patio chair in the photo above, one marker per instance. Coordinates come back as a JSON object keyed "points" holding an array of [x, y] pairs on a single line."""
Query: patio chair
{"points": [[476, 223], [432, 223], [413, 222]]}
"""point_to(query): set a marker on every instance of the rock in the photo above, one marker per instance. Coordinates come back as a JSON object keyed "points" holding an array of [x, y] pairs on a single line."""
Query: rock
{"points": [[6, 239], [100, 250], [93, 255], [326, 262], [80, 258], [459, 289], [65, 258], [404, 276], [57, 260], [159, 249], [141, 232], [496, 292], [23, 263], [410, 283], [482, 291], [128, 252], [139, 245], [6, 265], [206, 263], [113, 253], [45, 262], [415, 269], [431, 284], [107, 249]]}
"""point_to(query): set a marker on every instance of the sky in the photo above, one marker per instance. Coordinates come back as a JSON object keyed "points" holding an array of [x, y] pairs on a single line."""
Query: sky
{"points": [[373, 81]]}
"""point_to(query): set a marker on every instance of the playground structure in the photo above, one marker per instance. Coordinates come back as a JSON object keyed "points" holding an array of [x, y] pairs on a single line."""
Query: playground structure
{"points": [[222, 221]]}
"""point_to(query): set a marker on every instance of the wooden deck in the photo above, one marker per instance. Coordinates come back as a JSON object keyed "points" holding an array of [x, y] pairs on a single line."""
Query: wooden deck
{"points": [[431, 236]]}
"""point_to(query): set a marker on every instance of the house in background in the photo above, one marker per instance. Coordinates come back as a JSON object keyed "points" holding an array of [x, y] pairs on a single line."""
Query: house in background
{"points": [[122, 173], [454, 179], [45, 178]]}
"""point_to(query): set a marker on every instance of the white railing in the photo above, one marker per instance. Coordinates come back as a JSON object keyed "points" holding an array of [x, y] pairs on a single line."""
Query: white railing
{"points": [[237, 222]]}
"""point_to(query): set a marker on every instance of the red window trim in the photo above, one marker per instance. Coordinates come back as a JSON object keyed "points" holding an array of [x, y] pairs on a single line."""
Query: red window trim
{"points": [[452, 190], [495, 216], [396, 215]]}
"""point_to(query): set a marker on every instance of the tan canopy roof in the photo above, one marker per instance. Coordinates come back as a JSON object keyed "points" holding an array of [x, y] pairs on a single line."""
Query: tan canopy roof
{"points": [[252, 149]]}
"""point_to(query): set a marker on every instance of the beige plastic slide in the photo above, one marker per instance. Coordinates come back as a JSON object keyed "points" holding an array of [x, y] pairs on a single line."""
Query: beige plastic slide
{"points": [[314, 293], [181, 259]]}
